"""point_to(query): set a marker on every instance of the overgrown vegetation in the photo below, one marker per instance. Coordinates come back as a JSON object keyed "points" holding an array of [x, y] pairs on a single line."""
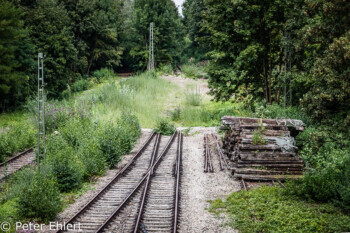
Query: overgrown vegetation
{"points": [[268, 209], [193, 71], [164, 127], [79, 148], [17, 137]]}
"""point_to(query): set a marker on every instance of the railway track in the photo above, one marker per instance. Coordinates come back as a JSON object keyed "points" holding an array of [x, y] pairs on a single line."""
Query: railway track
{"points": [[17, 162], [121, 205]]}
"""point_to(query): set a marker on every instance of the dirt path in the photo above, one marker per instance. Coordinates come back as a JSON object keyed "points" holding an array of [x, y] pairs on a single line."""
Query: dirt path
{"points": [[187, 84]]}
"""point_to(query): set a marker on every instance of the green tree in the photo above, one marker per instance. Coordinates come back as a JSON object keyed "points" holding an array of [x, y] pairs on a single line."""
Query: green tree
{"points": [[16, 50], [329, 99], [245, 39], [51, 33], [95, 25], [167, 35], [193, 11]]}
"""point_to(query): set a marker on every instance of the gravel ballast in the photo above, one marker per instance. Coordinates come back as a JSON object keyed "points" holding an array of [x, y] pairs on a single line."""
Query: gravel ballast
{"points": [[198, 187]]}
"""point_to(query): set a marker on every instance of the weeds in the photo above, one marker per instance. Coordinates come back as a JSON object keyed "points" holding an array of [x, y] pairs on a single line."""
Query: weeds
{"points": [[175, 114], [268, 209], [164, 127], [193, 98], [258, 135], [193, 71]]}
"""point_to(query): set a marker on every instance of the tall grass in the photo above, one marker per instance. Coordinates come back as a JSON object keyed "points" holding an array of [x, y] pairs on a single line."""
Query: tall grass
{"points": [[144, 95], [193, 71], [193, 97]]}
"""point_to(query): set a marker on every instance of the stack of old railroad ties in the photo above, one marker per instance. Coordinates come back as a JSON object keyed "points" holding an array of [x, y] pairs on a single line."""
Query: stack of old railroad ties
{"points": [[263, 149]]}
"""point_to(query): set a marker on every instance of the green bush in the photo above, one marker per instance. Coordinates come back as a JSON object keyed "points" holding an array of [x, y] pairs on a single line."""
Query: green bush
{"points": [[116, 141], [111, 144], [327, 156], [103, 73], [17, 182], [175, 115], [40, 198], [131, 126], [193, 71], [275, 111], [20, 136], [165, 69], [64, 164], [74, 130], [91, 156], [58, 114], [81, 85], [8, 212], [164, 127]]}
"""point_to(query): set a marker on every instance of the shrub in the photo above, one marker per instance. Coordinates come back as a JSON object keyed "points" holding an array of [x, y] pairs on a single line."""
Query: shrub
{"points": [[17, 182], [164, 127], [8, 212], [57, 115], [64, 164], [111, 144], [275, 111], [131, 126], [40, 198], [20, 136], [327, 156], [103, 73], [193, 71], [118, 140], [166, 69], [81, 85], [175, 115], [74, 130], [92, 158]]}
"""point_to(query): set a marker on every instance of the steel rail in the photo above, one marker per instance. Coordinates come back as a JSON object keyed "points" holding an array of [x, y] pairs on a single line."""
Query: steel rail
{"points": [[211, 168], [12, 159], [178, 175], [205, 154], [222, 158], [150, 170], [154, 155], [16, 157], [107, 186]]}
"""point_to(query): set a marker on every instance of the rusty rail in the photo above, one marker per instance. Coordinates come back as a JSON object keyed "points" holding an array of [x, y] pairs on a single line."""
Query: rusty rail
{"points": [[150, 170], [16, 156], [154, 155], [13, 159], [177, 186]]}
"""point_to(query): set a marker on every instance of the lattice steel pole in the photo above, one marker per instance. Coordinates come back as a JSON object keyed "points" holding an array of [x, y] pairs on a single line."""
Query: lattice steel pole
{"points": [[41, 150], [151, 49]]}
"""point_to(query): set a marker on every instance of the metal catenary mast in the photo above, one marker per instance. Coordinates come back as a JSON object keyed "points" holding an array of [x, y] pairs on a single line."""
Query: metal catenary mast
{"points": [[41, 149], [151, 49]]}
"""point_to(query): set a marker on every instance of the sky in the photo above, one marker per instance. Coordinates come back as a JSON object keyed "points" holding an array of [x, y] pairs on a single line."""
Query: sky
{"points": [[179, 4]]}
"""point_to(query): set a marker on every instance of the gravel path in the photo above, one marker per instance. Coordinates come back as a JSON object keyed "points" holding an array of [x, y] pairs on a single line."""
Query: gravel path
{"points": [[198, 187]]}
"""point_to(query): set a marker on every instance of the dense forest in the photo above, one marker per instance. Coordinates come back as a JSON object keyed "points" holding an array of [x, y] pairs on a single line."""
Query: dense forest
{"points": [[283, 52], [276, 58], [79, 37]]}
